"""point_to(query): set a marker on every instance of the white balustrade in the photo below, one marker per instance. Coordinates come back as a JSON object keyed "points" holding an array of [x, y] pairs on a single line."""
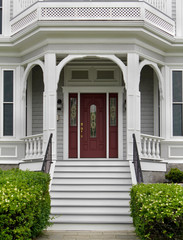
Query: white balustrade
{"points": [[150, 147], [33, 146], [100, 11], [163, 5], [20, 5]]}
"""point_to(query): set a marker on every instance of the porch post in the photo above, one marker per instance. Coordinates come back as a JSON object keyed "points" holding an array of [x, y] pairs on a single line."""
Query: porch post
{"points": [[50, 103], [132, 102]]}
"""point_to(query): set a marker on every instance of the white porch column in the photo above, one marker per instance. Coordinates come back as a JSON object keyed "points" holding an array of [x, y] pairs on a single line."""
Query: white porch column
{"points": [[50, 103], [132, 102]]}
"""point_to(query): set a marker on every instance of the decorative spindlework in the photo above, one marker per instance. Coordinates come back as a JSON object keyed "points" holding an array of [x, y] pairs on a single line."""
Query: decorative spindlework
{"points": [[150, 147], [27, 20], [159, 22], [90, 12], [137, 11]]}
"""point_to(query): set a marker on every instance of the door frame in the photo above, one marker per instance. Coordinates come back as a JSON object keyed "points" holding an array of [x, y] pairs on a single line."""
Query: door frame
{"points": [[102, 89]]}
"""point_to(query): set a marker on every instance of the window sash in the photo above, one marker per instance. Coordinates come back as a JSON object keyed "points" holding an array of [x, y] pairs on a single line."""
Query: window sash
{"points": [[8, 102]]}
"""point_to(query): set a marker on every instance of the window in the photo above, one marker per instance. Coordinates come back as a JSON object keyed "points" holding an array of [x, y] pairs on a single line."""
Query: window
{"points": [[177, 103], [8, 103]]}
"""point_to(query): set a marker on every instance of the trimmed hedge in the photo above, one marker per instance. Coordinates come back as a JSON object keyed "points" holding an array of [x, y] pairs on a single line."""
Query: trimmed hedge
{"points": [[157, 211], [174, 175], [24, 204]]}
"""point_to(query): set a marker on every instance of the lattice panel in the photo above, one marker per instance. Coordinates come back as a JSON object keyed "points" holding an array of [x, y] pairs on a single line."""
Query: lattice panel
{"points": [[22, 23], [155, 20], [91, 13]]}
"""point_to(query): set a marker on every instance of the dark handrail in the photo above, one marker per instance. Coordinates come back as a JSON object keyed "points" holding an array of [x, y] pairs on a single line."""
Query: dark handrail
{"points": [[136, 161], [48, 156]]}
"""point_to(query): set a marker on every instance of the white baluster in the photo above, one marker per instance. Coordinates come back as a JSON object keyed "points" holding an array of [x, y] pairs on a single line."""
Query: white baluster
{"points": [[144, 146], [26, 148], [158, 149], [153, 148], [31, 147], [38, 146], [149, 147]]}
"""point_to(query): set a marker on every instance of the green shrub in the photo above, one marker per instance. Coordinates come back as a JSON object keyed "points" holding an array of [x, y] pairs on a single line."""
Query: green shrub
{"points": [[157, 211], [174, 175], [24, 204]]}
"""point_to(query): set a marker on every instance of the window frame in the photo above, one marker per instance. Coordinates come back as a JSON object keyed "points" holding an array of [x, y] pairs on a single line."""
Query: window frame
{"points": [[174, 103], [3, 102]]}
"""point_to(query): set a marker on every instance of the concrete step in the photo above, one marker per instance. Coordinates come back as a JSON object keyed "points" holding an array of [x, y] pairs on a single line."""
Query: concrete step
{"points": [[91, 174], [91, 187], [91, 195], [92, 168], [90, 202], [91, 219], [85, 162], [114, 181], [88, 235], [90, 210]]}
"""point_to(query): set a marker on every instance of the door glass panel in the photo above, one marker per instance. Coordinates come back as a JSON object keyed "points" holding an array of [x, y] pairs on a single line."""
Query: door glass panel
{"points": [[93, 116], [73, 111], [112, 111]]}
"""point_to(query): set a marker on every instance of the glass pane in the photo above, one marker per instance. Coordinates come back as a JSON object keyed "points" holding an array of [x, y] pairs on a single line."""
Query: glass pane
{"points": [[105, 74], [93, 115], [112, 111], [177, 119], [177, 86], [8, 86], [79, 74], [8, 119], [73, 111]]}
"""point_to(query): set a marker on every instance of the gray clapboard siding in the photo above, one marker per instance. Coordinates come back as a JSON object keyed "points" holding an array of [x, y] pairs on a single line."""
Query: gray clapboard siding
{"points": [[37, 100], [147, 101]]}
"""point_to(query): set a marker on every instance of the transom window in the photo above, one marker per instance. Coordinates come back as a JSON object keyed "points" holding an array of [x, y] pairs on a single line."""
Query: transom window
{"points": [[177, 87]]}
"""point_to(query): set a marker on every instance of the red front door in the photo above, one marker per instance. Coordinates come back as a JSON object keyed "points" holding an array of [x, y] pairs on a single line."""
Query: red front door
{"points": [[93, 125]]}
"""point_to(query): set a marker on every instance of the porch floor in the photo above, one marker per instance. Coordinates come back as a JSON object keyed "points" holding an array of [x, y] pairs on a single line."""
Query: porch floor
{"points": [[87, 235]]}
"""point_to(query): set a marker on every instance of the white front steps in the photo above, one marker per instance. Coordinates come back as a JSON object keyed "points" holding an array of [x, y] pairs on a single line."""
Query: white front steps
{"points": [[90, 195]]}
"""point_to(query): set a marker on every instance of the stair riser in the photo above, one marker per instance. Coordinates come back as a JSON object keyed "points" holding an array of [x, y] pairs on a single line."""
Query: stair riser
{"points": [[93, 227], [90, 163], [92, 168], [92, 219], [91, 187], [91, 181], [90, 195], [90, 210], [95, 174], [89, 202]]}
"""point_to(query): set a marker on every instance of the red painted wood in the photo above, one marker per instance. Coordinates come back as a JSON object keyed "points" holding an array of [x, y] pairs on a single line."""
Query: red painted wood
{"points": [[93, 147], [113, 131], [73, 137]]}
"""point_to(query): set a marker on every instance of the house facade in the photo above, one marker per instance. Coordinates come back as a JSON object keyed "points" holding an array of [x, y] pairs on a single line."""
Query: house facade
{"points": [[92, 73]]}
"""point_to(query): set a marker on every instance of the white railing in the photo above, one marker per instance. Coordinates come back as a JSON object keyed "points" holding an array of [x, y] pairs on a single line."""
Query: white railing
{"points": [[150, 147], [20, 5], [95, 11], [163, 5], [33, 146]]}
